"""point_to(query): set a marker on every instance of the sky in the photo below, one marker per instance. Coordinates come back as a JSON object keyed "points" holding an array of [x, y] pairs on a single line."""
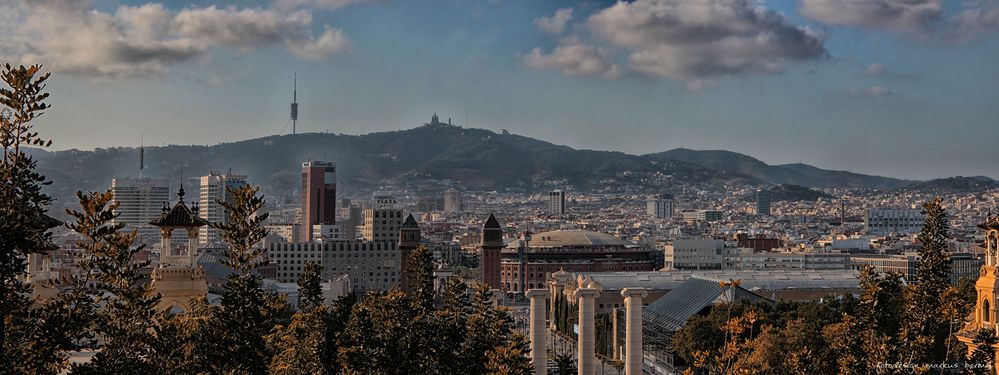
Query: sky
{"points": [[901, 88]]}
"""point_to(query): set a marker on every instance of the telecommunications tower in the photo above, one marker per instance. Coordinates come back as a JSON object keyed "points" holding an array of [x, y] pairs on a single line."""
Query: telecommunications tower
{"points": [[294, 104]]}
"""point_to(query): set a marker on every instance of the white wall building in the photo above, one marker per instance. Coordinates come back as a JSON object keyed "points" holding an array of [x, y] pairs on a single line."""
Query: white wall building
{"points": [[695, 254], [885, 221], [140, 201], [213, 190], [660, 206]]}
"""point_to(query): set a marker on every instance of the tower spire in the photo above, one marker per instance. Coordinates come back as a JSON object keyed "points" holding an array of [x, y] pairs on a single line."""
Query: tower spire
{"points": [[142, 156], [294, 104]]}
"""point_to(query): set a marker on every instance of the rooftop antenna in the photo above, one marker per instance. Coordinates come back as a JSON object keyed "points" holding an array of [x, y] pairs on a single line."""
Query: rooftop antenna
{"points": [[294, 104]]}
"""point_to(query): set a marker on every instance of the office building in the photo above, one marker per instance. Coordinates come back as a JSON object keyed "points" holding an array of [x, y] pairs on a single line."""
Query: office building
{"points": [[660, 206], [556, 202], [763, 202], [140, 200], [318, 196], [885, 221], [369, 265], [453, 201], [382, 224], [213, 190], [695, 254], [963, 265]]}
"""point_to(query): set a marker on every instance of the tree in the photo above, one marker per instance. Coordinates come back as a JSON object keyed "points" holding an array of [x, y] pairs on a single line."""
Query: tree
{"points": [[925, 328], [982, 360], [247, 311], [296, 347], [564, 364], [421, 278], [23, 222], [511, 358], [310, 292], [125, 322]]}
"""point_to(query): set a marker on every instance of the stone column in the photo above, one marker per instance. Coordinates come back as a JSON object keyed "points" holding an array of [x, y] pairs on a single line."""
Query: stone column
{"points": [[617, 353], [537, 330], [192, 245], [586, 363], [633, 329]]}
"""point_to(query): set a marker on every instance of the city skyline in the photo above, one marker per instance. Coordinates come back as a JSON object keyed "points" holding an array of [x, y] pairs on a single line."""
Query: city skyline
{"points": [[904, 93]]}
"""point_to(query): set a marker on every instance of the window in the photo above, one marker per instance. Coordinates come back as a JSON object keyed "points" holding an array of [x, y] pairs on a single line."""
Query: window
{"points": [[985, 311]]}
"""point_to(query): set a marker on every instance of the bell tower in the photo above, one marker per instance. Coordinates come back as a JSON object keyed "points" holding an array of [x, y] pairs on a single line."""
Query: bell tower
{"points": [[409, 240], [178, 278], [987, 286]]}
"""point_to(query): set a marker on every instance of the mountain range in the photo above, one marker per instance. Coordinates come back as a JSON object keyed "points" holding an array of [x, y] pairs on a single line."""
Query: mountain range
{"points": [[439, 155]]}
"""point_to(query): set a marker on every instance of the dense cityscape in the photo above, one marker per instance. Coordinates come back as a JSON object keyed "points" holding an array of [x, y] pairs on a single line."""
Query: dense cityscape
{"points": [[646, 187]]}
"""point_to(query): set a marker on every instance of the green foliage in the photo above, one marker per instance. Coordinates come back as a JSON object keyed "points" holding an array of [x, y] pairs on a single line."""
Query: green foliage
{"points": [[421, 277], [563, 364], [124, 323], [23, 225], [508, 359], [925, 329], [247, 312], [982, 361], [310, 292]]}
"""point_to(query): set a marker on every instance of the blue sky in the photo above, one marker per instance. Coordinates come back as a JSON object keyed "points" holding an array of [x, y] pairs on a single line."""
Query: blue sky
{"points": [[904, 89]]}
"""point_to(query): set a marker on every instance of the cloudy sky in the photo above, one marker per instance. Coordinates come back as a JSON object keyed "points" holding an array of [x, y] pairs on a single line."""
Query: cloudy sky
{"points": [[904, 88]]}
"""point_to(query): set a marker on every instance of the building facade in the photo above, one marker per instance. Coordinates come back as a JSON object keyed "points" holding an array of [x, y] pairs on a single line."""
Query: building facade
{"points": [[963, 265], [763, 202], [453, 201], [369, 264], [212, 190], [382, 224], [140, 200], [530, 262], [556, 202], [695, 254], [885, 221], [318, 195], [660, 206]]}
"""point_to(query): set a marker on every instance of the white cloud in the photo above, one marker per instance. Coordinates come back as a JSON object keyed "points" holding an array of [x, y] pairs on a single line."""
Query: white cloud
{"points": [[896, 15], [556, 23], [691, 39], [874, 70], [320, 4], [872, 91], [574, 58], [331, 41], [970, 23], [69, 36]]}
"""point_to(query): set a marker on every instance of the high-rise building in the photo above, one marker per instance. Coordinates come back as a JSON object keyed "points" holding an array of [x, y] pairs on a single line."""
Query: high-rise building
{"points": [[318, 195], [382, 224], [556, 202], [140, 201], [453, 201], [660, 206], [763, 202], [214, 189]]}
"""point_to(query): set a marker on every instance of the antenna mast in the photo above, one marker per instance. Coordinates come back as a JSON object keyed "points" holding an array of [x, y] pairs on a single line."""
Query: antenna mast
{"points": [[294, 104], [142, 156]]}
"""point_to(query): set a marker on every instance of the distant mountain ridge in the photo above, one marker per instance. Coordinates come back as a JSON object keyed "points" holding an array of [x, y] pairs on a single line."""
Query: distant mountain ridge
{"points": [[437, 155], [786, 174]]}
